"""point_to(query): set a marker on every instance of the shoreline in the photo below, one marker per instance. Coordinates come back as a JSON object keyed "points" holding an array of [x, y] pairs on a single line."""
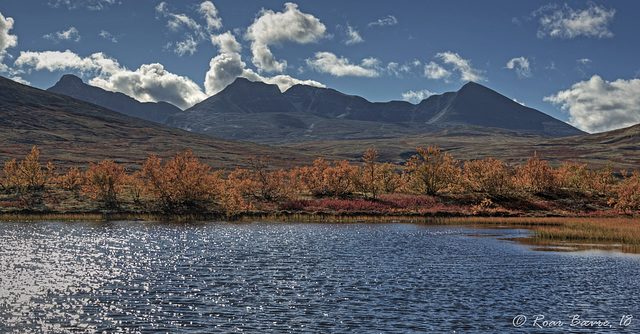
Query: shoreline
{"points": [[559, 233]]}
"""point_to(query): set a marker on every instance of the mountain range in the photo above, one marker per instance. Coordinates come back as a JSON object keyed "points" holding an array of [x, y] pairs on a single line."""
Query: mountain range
{"points": [[73, 86], [73, 132], [261, 113]]}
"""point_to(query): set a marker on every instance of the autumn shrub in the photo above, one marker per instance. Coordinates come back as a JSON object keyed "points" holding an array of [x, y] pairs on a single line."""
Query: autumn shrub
{"points": [[603, 181], [575, 177], [535, 176], [27, 174], [628, 193], [72, 180], [489, 175], [431, 170], [182, 184], [373, 178], [105, 182]]}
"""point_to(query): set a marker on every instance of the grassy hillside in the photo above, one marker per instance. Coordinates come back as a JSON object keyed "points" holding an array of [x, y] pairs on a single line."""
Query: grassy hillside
{"points": [[73, 132]]}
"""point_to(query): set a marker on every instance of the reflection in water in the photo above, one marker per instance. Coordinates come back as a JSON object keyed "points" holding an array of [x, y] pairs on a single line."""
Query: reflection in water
{"points": [[133, 277]]}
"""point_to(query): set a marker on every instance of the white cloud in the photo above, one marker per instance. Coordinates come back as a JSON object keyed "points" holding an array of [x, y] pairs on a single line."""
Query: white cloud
{"points": [[176, 21], [70, 34], [566, 22], [353, 36], [108, 36], [20, 80], [435, 71], [152, 83], [597, 105], [149, 83], [226, 42], [89, 4], [327, 62], [189, 45], [388, 20], [518, 102], [521, 65], [210, 13], [276, 28], [461, 65], [416, 97], [194, 33], [584, 61], [397, 69], [6, 39], [228, 65]]}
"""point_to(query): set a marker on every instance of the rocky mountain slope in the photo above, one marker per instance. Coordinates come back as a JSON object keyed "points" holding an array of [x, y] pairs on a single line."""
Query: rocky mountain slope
{"points": [[73, 86], [259, 112], [73, 132]]}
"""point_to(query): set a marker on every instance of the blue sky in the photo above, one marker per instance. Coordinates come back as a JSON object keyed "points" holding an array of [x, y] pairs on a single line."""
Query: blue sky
{"points": [[577, 61]]}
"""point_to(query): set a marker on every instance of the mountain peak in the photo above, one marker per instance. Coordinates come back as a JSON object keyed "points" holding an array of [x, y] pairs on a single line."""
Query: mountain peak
{"points": [[70, 79], [73, 86]]}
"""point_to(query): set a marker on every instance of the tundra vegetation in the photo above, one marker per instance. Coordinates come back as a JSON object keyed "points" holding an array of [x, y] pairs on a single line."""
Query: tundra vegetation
{"points": [[430, 184]]}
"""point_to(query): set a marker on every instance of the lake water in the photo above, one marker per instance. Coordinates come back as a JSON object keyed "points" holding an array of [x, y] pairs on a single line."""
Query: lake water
{"points": [[319, 278]]}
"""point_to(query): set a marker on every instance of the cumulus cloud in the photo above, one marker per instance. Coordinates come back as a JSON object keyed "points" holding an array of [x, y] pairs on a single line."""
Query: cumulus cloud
{"points": [[598, 105], [327, 62], [149, 83], [152, 83], [416, 97], [461, 65], [6, 39], [272, 28], [108, 36], [226, 42], [567, 23], [435, 71], [210, 13], [353, 36], [228, 65], [521, 66], [88, 4], [388, 20], [70, 34]]}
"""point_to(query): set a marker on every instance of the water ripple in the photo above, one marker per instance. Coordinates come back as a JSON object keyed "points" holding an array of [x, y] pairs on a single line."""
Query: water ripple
{"points": [[220, 277]]}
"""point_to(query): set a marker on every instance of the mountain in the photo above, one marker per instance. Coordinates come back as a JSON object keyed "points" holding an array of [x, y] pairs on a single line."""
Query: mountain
{"points": [[73, 86], [259, 112], [75, 132]]}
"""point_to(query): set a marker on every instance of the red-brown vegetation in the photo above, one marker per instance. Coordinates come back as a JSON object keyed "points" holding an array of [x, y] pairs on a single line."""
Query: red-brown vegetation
{"points": [[430, 183]]}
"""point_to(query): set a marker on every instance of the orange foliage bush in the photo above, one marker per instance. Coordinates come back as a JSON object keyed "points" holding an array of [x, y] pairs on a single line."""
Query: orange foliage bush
{"points": [[28, 173], [182, 183], [488, 175], [105, 182], [628, 194], [431, 170], [535, 176]]}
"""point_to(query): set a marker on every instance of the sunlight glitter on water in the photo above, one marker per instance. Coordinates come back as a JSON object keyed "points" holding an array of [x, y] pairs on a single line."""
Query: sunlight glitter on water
{"points": [[132, 277]]}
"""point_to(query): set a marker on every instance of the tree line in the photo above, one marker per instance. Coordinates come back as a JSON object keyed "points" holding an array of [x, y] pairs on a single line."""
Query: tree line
{"points": [[183, 184]]}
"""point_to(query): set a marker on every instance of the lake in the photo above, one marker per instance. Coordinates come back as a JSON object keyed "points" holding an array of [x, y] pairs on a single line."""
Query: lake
{"points": [[141, 277]]}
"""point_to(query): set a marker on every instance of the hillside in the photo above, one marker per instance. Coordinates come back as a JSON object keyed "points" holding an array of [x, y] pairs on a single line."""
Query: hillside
{"points": [[259, 112], [468, 143], [73, 86], [71, 131]]}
